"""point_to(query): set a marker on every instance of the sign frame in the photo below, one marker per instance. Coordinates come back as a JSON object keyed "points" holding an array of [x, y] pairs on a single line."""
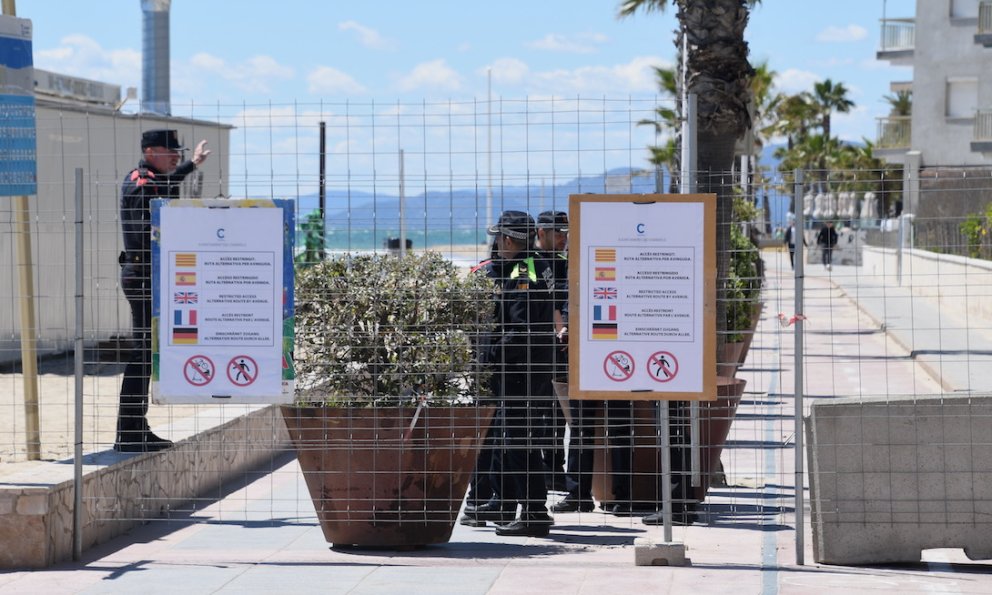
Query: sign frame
{"points": [[280, 308], [580, 334]]}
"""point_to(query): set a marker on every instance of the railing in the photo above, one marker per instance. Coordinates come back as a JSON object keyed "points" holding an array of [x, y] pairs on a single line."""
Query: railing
{"points": [[985, 17], [894, 132], [898, 34], [983, 125]]}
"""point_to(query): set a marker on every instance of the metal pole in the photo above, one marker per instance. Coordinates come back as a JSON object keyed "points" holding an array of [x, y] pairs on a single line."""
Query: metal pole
{"points": [[323, 186], [489, 149], [798, 364], [688, 186], [666, 469], [77, 461], [25, 276], [402, 209]]}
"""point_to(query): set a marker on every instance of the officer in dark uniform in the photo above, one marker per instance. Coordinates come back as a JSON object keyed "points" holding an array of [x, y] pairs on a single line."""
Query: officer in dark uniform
{"points": [[552, 240], [520, 354], [158, 175]]}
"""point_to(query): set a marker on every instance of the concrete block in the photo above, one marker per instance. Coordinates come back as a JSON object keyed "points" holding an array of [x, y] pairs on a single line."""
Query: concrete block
{"points": [[884, 492], [32, 504], [648, 552]]}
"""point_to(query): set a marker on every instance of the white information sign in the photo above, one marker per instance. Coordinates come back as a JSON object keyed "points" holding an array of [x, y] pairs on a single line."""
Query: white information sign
{"points": [[219, 275], [642, 297]]}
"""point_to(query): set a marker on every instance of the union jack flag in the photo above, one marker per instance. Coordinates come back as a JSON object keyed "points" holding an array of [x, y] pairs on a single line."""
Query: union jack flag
{"points": [[605, 293], [184, 297]]}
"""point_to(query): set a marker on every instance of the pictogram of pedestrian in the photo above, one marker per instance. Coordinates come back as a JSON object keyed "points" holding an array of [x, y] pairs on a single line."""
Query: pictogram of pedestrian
{"points": [[242, 370], [663, 366]]}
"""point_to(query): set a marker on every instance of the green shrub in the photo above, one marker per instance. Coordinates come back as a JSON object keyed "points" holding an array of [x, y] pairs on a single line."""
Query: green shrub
{"points": [[974, 228], [381, 330]]}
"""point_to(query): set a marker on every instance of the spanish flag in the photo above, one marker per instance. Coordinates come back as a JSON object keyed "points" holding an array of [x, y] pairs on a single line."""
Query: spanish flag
{"points": [[605, 255], [185, 260], [606, 273], [186, 278]]}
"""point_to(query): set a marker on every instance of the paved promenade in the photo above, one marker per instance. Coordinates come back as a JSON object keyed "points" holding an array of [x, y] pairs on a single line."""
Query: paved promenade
{"points": [[260, 536]]}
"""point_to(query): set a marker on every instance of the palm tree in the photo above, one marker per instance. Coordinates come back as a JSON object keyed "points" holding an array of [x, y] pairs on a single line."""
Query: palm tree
{"points": [[901, 103], [666, 119], [719, 74], [830, 97]]}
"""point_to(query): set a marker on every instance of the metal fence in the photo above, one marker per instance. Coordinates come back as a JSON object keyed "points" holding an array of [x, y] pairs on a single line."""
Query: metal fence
{"points": [[438, 174]]}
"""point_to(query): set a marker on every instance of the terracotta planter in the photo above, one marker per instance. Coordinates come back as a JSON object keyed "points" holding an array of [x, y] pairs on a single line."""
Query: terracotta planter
{"points": [[731, 357], [371, 486], [715, 420]]}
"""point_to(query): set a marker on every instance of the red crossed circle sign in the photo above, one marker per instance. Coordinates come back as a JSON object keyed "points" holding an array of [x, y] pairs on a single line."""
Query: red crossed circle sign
{"points": [[618, 366], [662, 366], [242, 370], [199, 370]]}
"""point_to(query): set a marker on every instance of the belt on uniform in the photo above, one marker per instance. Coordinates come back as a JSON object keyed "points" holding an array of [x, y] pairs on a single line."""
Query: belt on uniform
{"points": [[131, 257]]}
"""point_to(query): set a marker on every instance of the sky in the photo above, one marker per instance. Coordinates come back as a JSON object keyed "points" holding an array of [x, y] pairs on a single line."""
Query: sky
{"points": [[252, 52]]}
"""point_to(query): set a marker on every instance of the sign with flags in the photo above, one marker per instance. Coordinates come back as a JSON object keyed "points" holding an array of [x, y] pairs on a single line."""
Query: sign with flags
{"points": [[642, 295], [222, 301]]}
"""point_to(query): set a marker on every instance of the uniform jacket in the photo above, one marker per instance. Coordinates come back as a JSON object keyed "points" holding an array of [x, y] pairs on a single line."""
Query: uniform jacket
{"points": [[140, 186], [827, 237]]}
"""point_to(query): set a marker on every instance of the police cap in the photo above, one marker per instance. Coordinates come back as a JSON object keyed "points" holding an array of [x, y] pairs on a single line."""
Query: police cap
{"points": [[556, 220], [515, 224], [161, 138]]}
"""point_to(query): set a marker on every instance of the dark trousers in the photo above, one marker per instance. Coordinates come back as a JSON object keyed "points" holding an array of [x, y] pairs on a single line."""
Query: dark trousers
{"points": [[137, 371], [828, 256], [792, 255], [581, 447], [519, 460]]}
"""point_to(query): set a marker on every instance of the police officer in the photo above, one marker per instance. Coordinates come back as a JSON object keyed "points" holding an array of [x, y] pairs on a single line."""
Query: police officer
{"points": [[158, 175], [552, 240], [520, 356]]}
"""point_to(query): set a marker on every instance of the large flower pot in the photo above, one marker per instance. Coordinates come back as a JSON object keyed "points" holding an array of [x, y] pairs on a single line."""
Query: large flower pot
{"points": [[715, 419], [376, 482]]}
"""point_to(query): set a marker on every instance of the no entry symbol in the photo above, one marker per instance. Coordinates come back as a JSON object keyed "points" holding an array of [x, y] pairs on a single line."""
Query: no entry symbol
{"points": [[662, 366], [198, 370], [242, 370], [619, 366]]}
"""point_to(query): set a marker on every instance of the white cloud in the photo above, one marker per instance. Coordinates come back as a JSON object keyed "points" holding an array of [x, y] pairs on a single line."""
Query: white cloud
{"points": [[436, 75], [254, 74], [636, 76], [581, 43], [842, 34], [793, 80], [507, 71], [331, 81], [79, 55], [367, 36]]}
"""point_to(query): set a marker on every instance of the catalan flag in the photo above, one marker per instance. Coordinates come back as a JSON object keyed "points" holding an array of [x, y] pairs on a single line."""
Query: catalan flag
{"points": [[185, 260], [604, 332], [605, 254], [186, 278], [605, 274], [604, 313], [184, 336]]}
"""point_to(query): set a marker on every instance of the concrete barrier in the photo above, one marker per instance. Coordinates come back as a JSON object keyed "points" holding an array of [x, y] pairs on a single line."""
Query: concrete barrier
{"points": [[891, 477], [121, 491]]}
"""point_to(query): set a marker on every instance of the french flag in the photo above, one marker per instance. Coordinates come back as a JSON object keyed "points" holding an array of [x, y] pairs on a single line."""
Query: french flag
{"points": [[184, 318], [604, 312]]}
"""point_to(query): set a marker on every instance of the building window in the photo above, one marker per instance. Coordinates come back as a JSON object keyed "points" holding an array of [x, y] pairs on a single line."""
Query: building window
{"points": [[964, 9], [962, 97]]}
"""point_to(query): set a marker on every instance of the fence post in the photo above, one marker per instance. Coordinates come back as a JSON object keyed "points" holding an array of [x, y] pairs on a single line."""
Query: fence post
{"points": [[77, 460], [798, 364]]}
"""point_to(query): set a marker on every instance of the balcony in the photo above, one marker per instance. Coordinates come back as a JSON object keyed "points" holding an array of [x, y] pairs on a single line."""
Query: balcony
{"points": [[898, 41], [895, 134], [984, 34], [982, 139]]}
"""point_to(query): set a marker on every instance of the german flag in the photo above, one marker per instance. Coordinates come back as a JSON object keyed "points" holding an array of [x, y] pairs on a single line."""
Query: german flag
{"points": [[604, 332], [185, 260], [184, 336], [605, 254], [185, 278]]}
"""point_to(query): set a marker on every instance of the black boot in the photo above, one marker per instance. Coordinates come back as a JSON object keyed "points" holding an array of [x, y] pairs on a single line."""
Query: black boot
{"points": [[139, 439], [573, 503], [530, 524], [494, 510]]}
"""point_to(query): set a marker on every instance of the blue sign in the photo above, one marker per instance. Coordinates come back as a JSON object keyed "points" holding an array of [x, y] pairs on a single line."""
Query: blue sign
{"points": [[18, 147]]}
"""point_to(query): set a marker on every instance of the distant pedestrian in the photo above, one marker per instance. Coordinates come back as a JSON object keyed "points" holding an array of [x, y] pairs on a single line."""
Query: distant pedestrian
{"points": [[826, 239]]}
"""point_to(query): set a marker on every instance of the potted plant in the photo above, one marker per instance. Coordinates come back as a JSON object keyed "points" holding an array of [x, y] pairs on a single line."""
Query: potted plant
{"points": [[387, 421]]}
